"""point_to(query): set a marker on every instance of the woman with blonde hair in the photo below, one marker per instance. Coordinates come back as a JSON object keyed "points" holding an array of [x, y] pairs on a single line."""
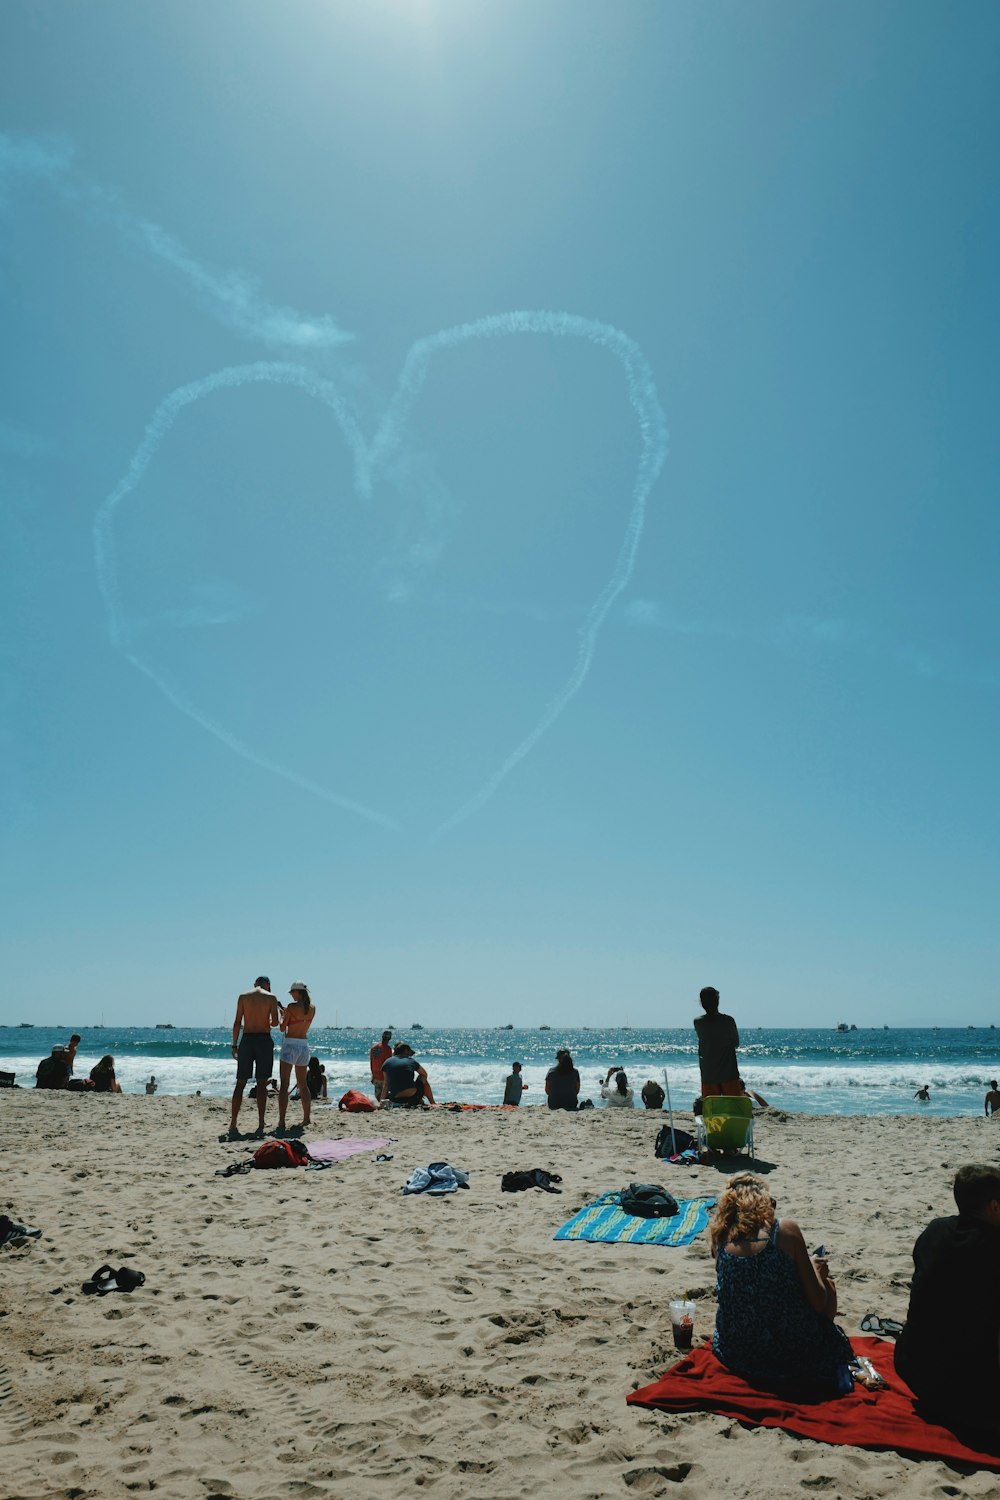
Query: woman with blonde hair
{"points": [[776, 1302]]}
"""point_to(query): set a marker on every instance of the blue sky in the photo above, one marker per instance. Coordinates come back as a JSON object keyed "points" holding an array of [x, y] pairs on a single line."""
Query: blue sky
{"points": [[498, 510]]}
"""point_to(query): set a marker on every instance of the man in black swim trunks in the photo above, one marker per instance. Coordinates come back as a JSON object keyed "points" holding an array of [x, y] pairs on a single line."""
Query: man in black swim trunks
{"points": [[256, 1013]]}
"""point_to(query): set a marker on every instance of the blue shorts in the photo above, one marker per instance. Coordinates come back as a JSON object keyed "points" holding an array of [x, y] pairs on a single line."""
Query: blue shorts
{"points": [[255, 1054]]}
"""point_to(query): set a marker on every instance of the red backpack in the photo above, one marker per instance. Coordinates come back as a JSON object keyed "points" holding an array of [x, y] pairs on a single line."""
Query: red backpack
{"points": [[281, 1154], [355, 1102]]}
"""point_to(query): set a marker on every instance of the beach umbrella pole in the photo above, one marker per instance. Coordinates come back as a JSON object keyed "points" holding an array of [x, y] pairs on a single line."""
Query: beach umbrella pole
{"points": [[670, 1112]]}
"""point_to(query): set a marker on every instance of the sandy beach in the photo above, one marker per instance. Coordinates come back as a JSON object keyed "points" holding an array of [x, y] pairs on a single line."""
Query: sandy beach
{"points": [[316, 1333]]}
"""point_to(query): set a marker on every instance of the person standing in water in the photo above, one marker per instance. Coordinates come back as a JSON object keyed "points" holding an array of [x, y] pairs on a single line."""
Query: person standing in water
{"points": [[992, 1101], [296, 1020], [718, 1040]]}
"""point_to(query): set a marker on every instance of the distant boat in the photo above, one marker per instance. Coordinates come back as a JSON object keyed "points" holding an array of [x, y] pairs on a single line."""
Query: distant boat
{"points": [[164, 1025], [842, 1026], [853, 1027], [27, 1026], [508, 1027], [416, 1026], [545, 1028]]}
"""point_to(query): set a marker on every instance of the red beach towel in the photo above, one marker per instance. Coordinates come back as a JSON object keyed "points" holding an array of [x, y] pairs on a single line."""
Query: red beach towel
{"points": [[863, 1419]]}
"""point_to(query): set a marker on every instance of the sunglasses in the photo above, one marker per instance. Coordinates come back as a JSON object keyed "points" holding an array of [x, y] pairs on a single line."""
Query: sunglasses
{"points": [[888, 1327]]}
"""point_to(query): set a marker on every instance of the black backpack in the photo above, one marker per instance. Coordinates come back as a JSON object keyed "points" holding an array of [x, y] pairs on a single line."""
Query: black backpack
{"points": [[665, 1148], [647, 1201]]}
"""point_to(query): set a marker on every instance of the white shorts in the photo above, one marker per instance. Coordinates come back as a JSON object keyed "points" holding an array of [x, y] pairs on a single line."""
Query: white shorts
{"points": [[295, 1050]]}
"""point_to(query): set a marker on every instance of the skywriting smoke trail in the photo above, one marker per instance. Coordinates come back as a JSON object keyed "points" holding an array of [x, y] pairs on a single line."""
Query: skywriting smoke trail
{"points": [[653, 429], [234, 300], [105, 559], [373, 458]]}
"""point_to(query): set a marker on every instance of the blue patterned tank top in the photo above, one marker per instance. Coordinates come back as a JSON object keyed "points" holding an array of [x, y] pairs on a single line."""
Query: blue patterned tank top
{"points": [[764, 1327]]}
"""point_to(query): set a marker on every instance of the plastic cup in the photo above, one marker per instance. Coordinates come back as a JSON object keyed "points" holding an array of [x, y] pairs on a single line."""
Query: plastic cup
{"points": [[682, 1322]]}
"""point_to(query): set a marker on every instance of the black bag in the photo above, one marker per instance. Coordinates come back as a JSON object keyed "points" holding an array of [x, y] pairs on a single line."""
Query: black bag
{"points": [[664, 1147], [647, 1201]]}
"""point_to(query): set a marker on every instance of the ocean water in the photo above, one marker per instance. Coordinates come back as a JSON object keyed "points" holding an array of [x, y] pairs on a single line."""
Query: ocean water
{"points": [[813, 1071]]}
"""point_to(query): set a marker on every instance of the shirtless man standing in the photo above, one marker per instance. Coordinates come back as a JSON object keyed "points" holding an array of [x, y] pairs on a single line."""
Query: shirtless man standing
{"points": [[256, 1013]]}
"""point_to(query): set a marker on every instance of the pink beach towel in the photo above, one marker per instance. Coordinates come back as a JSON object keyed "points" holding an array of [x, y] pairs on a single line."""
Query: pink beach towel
{"points": [[341, 1150]]}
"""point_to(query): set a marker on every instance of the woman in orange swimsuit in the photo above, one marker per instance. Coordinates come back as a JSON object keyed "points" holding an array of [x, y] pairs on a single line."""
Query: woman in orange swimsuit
{"points": [[295, 1022]]}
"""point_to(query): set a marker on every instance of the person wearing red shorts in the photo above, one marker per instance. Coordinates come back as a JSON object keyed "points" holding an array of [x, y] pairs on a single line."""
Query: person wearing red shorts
{"points": [[718, 1040]]}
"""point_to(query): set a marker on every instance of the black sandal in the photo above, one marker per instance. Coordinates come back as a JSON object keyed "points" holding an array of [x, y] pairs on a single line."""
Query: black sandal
{"points": [[103, 1280]]}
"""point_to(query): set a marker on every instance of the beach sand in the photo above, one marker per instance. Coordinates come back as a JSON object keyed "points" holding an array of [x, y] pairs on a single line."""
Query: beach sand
{"points": [[316, 1333]]}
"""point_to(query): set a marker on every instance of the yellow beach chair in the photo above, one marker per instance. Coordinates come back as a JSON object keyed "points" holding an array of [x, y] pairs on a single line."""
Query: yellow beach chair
{"points": [[726, 1124]]}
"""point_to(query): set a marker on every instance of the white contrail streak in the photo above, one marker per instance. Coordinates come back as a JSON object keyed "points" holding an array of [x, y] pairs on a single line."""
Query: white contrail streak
{"points": [[375, 457], [653, 430], [105, 560]]}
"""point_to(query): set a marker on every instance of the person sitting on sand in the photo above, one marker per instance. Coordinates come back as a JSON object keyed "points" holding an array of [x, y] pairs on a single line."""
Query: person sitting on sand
{"points": [[718, 1040], [406, 1081], [102, 1076], [619, 1095], [256, 1013], [992, 1101], [151, 1085], [949, 1350], [316, 1079], [776, 1306], [53, 1071], [562, 1083], [652, 1094], [296, 1020], [514, 1086]]}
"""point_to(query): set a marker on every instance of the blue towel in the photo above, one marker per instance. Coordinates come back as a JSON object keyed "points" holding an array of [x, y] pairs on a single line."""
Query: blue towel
{"points": [[604, 1222]]}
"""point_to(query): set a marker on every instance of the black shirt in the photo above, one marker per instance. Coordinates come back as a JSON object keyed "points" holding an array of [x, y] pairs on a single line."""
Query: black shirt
{"points": [[948, 1352], [399, 1073], [718, 1040]]}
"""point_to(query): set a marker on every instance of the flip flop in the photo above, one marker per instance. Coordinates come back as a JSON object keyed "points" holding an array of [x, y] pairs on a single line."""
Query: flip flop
{"points": [[127, 1280], [103, 1280]]}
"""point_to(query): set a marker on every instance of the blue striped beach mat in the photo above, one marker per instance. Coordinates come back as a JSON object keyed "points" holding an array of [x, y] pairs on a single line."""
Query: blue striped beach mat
{"points": [[604, 1222]]}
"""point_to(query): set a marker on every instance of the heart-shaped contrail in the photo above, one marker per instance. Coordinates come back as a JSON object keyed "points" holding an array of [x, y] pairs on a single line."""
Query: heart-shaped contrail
{"points": [[234, 300], [371, 458]]}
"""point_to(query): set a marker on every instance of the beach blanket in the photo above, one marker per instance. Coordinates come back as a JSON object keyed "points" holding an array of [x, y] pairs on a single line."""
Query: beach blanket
{"points": [[341, 1150], [604, 1222], [864, 1419]]}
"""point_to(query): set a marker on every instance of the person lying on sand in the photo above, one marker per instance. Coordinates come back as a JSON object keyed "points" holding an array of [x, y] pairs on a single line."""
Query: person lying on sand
{"points": [[776, 1303]]}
